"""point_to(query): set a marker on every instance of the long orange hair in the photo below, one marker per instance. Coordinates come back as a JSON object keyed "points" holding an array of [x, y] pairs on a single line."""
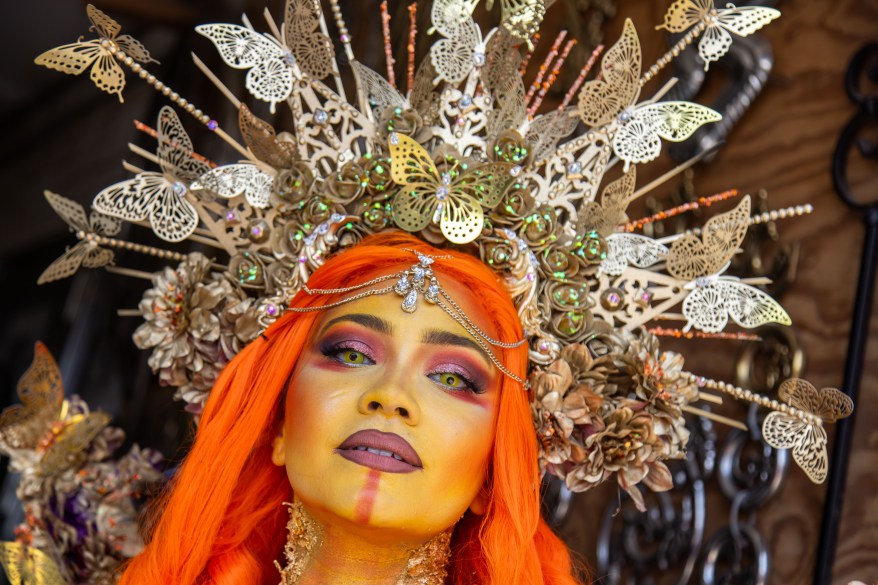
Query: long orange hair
{"points": [[222, 520]]}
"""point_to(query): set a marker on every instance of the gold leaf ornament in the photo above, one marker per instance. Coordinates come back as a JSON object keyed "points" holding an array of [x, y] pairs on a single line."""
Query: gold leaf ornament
{"points": [[716, 40], [27, 565], [452, 199], [806, 438], [106, 73]]}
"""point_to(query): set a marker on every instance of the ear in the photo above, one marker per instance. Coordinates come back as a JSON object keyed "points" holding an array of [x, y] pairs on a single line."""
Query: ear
{"points": [[480, 503], [279, 450]]}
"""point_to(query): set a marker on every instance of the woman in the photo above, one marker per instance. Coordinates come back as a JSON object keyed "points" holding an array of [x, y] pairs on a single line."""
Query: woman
{"points": [[294, 416]]}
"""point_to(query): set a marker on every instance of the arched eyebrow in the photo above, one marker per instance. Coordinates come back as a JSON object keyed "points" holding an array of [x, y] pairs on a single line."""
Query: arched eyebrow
{"points": [[443, 337], [369, 321]]}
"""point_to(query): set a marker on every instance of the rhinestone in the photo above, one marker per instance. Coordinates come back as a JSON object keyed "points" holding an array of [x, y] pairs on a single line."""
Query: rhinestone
{"points": [[212, 125], [409, 304], [433, 291], [478, 59], [425, 260], [394, 138], [611, 299], [345, 38], [515, 171], [442, 193], [289, 59], [320, 116], [323, 228], [574, 168], [230, 215], [466, 100], [336, 218], [702, 281], [271, 309], [179, 188], [418, 272], [624, 116], [446, 178]]}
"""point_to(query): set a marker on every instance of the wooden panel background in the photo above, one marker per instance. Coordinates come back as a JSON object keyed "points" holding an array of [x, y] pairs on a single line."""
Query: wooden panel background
{"points": [[784, 144]]}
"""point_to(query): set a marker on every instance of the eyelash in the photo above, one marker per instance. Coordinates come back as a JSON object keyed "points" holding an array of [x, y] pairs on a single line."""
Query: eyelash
{"points": [[334, 352]]}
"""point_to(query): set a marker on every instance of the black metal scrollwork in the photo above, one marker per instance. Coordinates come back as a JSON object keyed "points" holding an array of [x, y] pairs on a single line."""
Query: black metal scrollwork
{"points": [[863, 70]]}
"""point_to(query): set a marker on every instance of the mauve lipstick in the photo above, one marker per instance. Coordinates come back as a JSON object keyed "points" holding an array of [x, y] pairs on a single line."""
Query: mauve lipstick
{"points": [[382, 451]]}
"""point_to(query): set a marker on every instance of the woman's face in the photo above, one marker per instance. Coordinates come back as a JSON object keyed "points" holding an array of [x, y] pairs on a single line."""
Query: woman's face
{"points": [[390, 417]]}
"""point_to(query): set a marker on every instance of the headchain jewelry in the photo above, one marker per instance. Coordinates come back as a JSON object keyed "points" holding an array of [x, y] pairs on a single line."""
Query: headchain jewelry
{"points": [[418, 281]]}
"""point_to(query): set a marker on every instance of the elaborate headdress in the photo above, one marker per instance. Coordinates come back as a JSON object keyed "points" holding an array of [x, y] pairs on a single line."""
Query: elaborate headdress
{"points": [[465, 156]]}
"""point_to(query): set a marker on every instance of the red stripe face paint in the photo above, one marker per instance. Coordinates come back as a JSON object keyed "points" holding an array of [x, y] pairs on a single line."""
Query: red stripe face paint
{"points": [[366, 497]]}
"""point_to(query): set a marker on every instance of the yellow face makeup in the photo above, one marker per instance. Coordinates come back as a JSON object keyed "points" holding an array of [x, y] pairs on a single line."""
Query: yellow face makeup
{"points": [[390, 418]]}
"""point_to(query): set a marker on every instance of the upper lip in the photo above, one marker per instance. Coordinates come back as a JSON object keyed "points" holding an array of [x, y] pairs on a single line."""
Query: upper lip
{"points": [[392, 442]]}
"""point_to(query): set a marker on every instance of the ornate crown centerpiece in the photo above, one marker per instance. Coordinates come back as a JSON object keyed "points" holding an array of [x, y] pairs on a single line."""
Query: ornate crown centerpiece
{"points": [[465, 155]]}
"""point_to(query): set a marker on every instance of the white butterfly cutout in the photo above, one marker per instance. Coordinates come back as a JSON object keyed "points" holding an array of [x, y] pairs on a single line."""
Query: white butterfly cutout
{"points": [[624, 249], [716, 298], [229, 181], [84, 253], [613, 97], [716, 40], [274, 65], [806, 438], [160, 197], [463, 49]]}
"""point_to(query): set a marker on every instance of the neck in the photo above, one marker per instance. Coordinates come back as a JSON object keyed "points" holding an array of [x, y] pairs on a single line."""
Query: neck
{"points": [[324, 554]]}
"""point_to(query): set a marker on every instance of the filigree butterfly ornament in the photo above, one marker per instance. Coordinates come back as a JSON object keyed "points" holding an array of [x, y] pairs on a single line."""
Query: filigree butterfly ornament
{"points": [[42, 423], [453, 199], [715, 298], [160, 198], [106, 73], [229, 181], [806, 438], [521, 18], [640, 128], [85, 253], [463, 49], [719, 22], [41, 394], [272, 65], [28, 565]]}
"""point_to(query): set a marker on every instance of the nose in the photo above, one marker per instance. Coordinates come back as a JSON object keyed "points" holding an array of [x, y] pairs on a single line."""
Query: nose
{"points": [[391, 397]]}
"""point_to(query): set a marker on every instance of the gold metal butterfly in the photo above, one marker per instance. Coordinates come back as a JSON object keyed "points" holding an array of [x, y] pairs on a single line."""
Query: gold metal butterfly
{"points": [[453, 198], [106, 73], [716, 40], [715, 298], [521, 18], [806, 438], [613, 97], [28, 565], [43, 423], [86, 252]]}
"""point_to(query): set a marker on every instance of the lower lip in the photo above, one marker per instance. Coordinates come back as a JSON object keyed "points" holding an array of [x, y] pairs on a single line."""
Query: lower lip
{"points": [[374, 461]]}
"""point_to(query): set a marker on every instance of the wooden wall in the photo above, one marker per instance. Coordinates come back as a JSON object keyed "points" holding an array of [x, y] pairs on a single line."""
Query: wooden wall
{"points": [[784, 144]]}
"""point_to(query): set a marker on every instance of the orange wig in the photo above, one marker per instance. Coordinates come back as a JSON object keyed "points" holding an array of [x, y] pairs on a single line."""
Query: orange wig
{"points": [[222, 520]]}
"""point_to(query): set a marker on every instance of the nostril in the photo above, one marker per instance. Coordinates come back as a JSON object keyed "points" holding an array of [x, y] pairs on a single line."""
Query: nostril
{"points": [[374, 405], [403, 412]]}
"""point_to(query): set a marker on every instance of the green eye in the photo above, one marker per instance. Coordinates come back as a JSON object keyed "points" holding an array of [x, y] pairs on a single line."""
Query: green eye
{"points": [[350, 356]]}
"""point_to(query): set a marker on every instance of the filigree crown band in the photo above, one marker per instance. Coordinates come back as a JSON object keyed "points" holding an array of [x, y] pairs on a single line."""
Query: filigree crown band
{"points": [[411, 284]]}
